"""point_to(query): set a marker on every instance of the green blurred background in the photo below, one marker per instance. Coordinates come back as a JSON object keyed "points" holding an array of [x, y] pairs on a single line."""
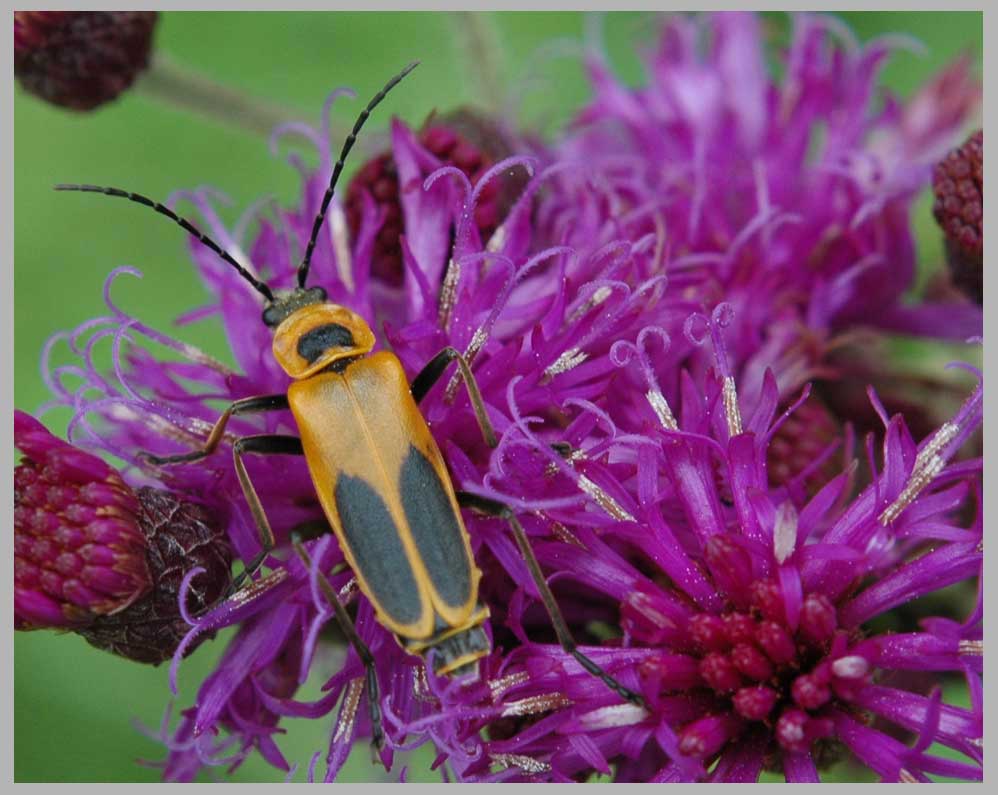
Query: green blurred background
{"points": [[74, 705]]}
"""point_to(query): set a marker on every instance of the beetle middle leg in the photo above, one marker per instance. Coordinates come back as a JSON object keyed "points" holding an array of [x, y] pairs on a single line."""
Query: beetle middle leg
{"points": [[489, 507], [346, 624]]}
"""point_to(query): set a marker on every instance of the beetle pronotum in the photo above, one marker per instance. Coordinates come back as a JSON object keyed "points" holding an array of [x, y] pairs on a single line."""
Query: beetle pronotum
{"points": [[377, 471]]}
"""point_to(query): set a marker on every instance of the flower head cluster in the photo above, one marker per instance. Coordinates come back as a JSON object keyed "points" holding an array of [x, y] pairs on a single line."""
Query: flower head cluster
{"points": [[637, 322], [789, 199], [746, 613]]}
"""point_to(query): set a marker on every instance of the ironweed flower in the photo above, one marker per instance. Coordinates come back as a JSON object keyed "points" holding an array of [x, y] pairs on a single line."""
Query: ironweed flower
{"points": [[745, 611], [81, 59], [508, 306], [96, 556], [788, 198], [738, 605]]}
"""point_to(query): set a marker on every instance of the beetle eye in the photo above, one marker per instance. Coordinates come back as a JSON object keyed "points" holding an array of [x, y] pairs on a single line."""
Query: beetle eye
{"points": [[271, 316], [315, 342], [316, 295]]}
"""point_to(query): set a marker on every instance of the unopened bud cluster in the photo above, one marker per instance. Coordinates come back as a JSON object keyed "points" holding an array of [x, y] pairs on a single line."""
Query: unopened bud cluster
{"points": [[93, 555]]}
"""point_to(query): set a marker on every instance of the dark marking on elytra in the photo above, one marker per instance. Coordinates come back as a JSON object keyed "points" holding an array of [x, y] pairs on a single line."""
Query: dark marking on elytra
{"points": [[376, 545], [435, 528]]}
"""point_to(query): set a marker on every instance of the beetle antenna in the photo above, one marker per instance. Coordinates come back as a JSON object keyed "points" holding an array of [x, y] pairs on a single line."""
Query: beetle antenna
{"points": [[187, 225], [347, 146]]}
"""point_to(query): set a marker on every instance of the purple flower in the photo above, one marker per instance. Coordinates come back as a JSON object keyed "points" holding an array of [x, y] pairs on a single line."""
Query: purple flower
{"points": [[736, 603], [746, 611], [514, 309], [789, 199]]}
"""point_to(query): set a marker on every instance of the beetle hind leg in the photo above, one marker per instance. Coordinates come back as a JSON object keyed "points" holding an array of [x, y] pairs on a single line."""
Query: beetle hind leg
{"points": [[348, 628], [497, 509]]}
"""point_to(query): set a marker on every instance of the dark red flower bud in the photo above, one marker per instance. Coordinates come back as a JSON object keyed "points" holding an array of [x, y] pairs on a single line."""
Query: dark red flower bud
{"points": [[755, 703], [740, 628], [792, 730], [81, 59], [818, 618], [768, 598], [719, 672], [810, 691], [707, 736], [958, 183], [462, 139], [799, 441], [774, 639], [180, 536], [708, 632], [93, 555], [751, 662]]}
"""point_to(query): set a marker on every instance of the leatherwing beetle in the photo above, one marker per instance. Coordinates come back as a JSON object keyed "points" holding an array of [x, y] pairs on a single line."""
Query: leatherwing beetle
{"points": [[378, 473]]}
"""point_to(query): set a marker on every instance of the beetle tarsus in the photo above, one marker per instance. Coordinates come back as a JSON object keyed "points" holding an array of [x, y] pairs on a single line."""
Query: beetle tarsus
{"points": [[164, 460]]}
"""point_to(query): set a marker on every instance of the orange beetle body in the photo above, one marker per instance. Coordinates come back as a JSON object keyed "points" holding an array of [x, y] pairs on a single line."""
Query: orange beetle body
{"points": [[383, 484], [377, 471]]}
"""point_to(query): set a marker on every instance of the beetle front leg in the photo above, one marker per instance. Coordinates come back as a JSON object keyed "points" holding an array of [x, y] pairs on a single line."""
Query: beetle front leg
{"points": [[435, 368], [489, 507], [346, 624], [250, 405]]}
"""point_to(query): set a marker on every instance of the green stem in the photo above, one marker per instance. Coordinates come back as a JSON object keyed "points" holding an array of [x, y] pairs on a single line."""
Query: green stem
{"points": [[170, 83], [482, 55]]}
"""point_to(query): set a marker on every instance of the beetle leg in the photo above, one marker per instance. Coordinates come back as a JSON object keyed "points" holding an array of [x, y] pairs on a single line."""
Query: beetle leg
{"points": [[248, 405], [435, 368], [346, 624], [495, 508], [311, 529], [261, 445]]}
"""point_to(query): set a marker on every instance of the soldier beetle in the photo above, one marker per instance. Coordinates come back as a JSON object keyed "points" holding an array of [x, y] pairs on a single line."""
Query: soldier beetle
{"points": [[377, 471]]}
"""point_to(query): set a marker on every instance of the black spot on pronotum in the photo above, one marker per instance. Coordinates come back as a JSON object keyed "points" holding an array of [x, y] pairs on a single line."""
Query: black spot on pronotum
{"points": [[320, 339], [374, 541], [435, 528]]}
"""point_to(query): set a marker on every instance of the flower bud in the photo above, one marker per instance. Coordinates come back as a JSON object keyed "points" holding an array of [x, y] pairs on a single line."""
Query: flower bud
{"points": [[81, 59], [800, 440], [93, 555], [958, 184], [462, 139]]}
